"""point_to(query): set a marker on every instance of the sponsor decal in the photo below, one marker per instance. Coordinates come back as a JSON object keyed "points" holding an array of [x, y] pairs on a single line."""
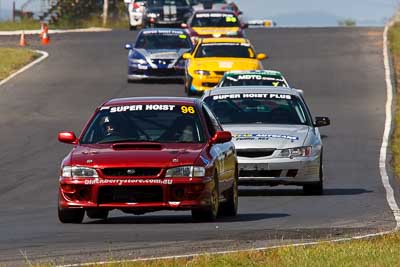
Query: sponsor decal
{"points": [[231, 19], [242, 137], [142, 67], [188, 109], [149, 107], [216, 15], [256, 77], [164, 32], [252, 95], [127, 181]]}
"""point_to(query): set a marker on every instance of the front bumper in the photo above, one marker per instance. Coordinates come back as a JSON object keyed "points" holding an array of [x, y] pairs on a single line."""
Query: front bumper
{"points": [[135, 193], [150, 73], [279, 171], [203, 83]]}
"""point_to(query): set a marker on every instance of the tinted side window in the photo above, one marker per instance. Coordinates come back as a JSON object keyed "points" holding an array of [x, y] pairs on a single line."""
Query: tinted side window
{"points": [[212, 123]]}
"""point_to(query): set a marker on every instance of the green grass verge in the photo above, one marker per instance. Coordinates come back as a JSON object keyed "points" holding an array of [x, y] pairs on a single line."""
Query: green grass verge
{"points": [[13, 59], [394, 39], [379, 251], [30, 24]]}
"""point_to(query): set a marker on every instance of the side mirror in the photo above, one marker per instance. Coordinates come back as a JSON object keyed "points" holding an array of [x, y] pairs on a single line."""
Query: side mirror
{"points": [[245, 25], [300, 91], [221, 137], [184, 26], [240, 13], [262, 56], [187, 56], [128, 47], [322, 121], [67, 137]]}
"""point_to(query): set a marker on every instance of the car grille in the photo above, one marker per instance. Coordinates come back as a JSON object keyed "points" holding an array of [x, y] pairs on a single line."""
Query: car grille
{"points": [[130, 194], [162, 61], [220, 73], [254, 153], [131, 172], [159, 72], [260, 173]]}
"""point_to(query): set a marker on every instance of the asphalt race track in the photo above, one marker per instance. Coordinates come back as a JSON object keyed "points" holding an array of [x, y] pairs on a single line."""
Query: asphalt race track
{"points": [[339, 69]]}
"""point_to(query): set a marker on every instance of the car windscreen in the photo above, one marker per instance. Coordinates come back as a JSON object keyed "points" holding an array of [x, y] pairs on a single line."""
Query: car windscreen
{"points": [[215, 20], [258, 108], [164, 123], [163, 40], [252, 79], [161, 3], [236, 50]]}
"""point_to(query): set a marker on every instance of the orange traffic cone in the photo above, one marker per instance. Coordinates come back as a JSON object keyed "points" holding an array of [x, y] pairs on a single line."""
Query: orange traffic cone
{"points": [[45, 38], [22, 41]]}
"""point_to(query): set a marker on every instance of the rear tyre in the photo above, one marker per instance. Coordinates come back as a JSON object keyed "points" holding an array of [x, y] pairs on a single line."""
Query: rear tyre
{"points": [[210, 213], [230, 207], [71, 215], [318, 187], [97, 214], [132, 28]]}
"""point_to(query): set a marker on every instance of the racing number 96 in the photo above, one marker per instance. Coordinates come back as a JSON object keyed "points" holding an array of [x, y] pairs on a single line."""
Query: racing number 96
{"points": [[190, 110]]}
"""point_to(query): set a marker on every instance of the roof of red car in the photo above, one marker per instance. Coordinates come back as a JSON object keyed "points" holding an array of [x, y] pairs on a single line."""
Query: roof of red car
{"points": [[166, 100]]}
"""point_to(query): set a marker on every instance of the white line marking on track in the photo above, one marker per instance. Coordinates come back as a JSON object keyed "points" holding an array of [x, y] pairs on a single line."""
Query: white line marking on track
{"points": [[383, 172], [36, 61], [386, 134]]}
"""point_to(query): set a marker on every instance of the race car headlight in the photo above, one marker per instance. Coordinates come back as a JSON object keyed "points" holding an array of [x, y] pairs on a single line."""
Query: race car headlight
{"points": [[138, 61], [232, 33], [152, 15], [295, 152], [186, 171], [202, 72], [75, 172]]}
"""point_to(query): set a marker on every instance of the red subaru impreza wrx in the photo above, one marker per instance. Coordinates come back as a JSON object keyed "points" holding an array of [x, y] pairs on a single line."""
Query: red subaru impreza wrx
{"points": [[141, 155]]}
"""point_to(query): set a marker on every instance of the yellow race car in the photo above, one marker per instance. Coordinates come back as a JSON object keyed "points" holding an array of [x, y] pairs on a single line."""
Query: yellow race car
{"points": [[214, 23], [212, 57]]}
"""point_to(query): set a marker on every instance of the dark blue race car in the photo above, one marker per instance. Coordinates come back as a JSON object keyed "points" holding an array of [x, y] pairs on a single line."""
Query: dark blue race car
{"points": [[157, 54]]}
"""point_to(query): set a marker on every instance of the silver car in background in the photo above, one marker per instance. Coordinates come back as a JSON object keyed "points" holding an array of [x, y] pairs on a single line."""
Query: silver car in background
{"points": [[277, 141]]}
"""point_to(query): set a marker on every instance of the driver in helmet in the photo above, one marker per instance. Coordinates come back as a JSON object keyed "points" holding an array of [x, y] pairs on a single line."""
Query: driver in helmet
{"points": [[108, 127]]}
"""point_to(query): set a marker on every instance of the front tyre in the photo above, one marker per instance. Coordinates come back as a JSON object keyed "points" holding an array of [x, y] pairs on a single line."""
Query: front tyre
{"points": [[210, 213], [230, 207], [318, 187], [71, 215]]}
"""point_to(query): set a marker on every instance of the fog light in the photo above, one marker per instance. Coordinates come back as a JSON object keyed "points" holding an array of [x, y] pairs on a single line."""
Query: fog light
{"points": [[195, 188], [68, 188]]}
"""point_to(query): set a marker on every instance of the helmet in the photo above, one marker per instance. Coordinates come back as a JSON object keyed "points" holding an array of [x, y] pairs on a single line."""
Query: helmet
{"points": [[108, 127]]}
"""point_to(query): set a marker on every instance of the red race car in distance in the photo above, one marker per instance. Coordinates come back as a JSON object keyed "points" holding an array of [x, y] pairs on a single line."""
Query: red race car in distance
{"points": [[141, 155]]}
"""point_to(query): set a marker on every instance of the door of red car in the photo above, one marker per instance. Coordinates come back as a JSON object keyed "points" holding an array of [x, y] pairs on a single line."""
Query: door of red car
{"points": [[222, 152]]}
